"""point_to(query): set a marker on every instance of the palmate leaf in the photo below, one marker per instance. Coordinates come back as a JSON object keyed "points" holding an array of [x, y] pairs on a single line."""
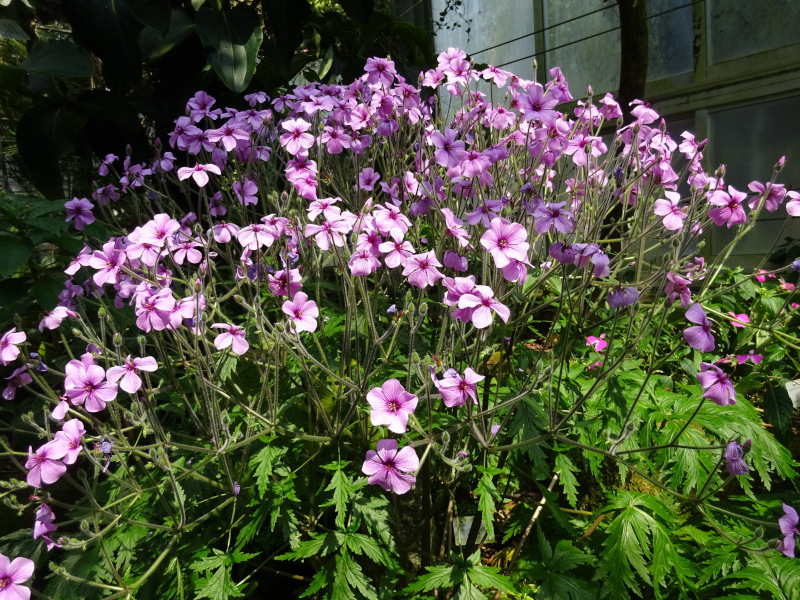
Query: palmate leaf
{"points": [[219, 586], [554, 576], [374, 511]]}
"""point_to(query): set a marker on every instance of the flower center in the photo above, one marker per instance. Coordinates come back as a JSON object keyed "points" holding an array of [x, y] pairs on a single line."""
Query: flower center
{"points": [[393, 406], [4, 583]]}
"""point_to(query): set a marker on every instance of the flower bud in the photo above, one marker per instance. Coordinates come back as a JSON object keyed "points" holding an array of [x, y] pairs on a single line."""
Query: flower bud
{"points": [[415, 358], [423, 309], [779, 165], [102, 312], [158, 144], [117, 339], [759, 532], [18, 320]]}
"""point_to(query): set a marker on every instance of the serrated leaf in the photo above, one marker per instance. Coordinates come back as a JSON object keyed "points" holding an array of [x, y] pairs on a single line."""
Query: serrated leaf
{"points": [[487, 494], [343, 489], [219, 586], [209, 563], [350, 571], [263, 465], [440, 576], [566, 470], [489, 577]]}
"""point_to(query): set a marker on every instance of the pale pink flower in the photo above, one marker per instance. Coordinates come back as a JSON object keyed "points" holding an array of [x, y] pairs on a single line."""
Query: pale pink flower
{"points": [[12, 573], [70, 438], [482, 303], [131, 382], [55, 317], [45, 464], [669, 209], [391, 404], [421, 269], [504, 241], [8, 345], [85, 383], [199, 173], [455, 389], [233, 336], [302, 313], [296, 140]]}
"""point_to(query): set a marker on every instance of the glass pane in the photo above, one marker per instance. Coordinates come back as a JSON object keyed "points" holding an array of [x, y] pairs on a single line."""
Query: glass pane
{"points": [[670, 38], [740, 28]]}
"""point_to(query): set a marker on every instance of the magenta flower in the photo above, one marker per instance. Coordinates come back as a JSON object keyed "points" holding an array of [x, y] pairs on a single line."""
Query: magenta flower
{"points": [[380, 71], [131, 382], [734, 459], [551, 216], [285, 282], [69, 439], [456, 389], [84, 384], [537, 104], [449, 151], [233, 336], [391, 404], [729, 209], [716, 385], [302, 312], [198, 173], [12, 573], [44, 525], [678, 286], [8, 345], [246, 192], [367, 179], [505, 241], [81, 211], [482, 303], [108, 261], [389, 468], [669, 209], [740, 320], [45, 464], [421, 269], [788, 524], [699, 336], [396, 252], [16, 380], [228, 135], [751, 356], [598, 343]]}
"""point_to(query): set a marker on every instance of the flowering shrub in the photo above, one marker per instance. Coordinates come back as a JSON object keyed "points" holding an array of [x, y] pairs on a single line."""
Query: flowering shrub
{"points": [[360, 316]]}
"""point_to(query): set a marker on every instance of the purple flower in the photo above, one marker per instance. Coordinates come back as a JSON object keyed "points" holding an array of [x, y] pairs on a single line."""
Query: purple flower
{"points": [[12, 573], [537, 104], [131, 382], [44, 525], [54, 318], [45, 464], [699, 336], [8, 345], [678, 286], [15, 381], [481, 302], [69, 439], [81, 211], [751, 356], [389, 468], [717, 387], [246, 192], [734, 459], [296, 140], [729, 209], [550, 216], [302, 313], [233, 336], [198, 173], [788, 524], [391, 404], [456, 389], [367, 179], [669, 209], [505, 241], [449, 151]]}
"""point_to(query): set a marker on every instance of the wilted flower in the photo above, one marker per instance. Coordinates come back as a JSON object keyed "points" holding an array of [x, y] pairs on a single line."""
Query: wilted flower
{"points": [[699, 336], [734, 460], [16, 380], [44, 525], [717, 387], [622, 297]]}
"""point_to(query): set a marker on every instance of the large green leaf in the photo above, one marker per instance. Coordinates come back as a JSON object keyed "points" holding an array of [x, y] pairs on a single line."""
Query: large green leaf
{"points": [[59, 58], [152, 13], [778, 411], [286, 20], [15, 251], [231, 39], [154, 44]]}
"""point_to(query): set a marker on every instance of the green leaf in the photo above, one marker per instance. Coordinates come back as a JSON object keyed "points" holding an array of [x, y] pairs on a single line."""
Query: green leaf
{"points": [[487, 494], [209, 563], [59, 58], [778, 410], [153, 44], [219, 586], [489, 577], [264, 464], [566, 471], [343, 489], [440, 576], [350, 575], [152, 13], [231, 39], [15, 251], [228, 367]]}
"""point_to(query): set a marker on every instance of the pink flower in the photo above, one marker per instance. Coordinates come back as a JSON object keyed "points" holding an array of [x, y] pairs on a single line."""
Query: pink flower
{"points": [[391, 404], [551, 216], [505, 241], [55, 317], [729, 211], [84, 384], [381, 72], [198, 173], [8, 345], [16, 380], [43, 525], [699, 336], [389, 468], [449, 152], [421, 269], [751, 356], [482, 303], [45, 464], [131, 382], [367, 179], [537, 104], [296, 140], [69, 439], [598, 343], [669, 209], [302, 313], [246, 192], [363, 262], [12, 573], [285, 282], [456, 389], [109, 261], [396, 252], [741, 321], [233, 336]]}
